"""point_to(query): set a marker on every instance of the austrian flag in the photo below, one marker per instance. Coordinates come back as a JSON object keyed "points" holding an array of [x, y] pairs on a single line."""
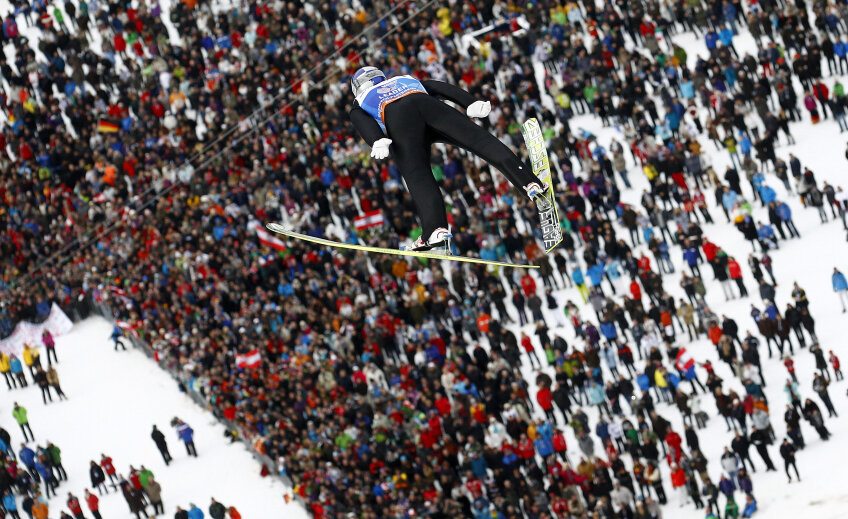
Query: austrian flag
{"points": [[685, 363], [250, 360], [269, 239], [369, 220]]}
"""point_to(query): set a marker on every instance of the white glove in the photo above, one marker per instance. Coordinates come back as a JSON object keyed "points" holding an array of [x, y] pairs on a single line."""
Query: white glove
{"points": [[380, 148], [479, 109]]}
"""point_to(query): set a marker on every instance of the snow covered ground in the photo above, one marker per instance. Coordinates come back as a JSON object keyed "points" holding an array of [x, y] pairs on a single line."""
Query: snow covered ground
{"points": [[114, 400]]}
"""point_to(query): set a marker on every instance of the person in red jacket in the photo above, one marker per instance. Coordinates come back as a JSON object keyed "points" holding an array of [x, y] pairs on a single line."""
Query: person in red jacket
{"points": [[678, 483], [106, 463], [710, 250], [674, 442], [635, 290], [790, 367], [525, 450], [560, 446], [545, 399], [527, 343], [735, 272], [644, 264], [74, 506], [834, 361], [135, 479], [528, 285], [93, 504]]}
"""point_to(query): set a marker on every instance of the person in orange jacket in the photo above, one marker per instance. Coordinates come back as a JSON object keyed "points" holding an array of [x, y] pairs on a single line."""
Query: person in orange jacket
{"points": [[234, 514], [40, 509]]}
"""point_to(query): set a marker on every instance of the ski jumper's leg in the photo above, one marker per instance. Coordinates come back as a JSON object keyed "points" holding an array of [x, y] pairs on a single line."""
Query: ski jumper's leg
{"points": [[457, 129], [411, 151]]}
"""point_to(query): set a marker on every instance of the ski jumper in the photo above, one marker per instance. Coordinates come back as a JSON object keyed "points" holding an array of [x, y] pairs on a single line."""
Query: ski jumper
{"points": [[409, 112]]}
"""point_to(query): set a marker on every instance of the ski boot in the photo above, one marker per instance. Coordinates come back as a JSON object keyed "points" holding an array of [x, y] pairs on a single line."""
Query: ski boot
{"points": [[437, 243]]}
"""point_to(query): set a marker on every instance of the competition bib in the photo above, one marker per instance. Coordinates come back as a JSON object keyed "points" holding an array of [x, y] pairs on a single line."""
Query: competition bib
{"points": [[377, 98]]}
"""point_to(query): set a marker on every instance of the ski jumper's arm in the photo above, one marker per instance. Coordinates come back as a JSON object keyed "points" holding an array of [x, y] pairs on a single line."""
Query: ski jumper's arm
{"points": [[366, 125], [449, 92]]}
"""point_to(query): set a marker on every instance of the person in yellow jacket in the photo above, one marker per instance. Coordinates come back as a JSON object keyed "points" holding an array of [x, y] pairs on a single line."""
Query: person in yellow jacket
{"points": [[661, 381], [32, 358], [6, 369]]}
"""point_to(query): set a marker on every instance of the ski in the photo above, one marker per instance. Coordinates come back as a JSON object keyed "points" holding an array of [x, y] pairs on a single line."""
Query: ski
{"points": [[282, 230], [547, 207]]}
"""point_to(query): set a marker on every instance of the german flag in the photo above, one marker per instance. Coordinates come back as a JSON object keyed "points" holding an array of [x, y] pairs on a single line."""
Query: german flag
{"points": [[106, 126]]}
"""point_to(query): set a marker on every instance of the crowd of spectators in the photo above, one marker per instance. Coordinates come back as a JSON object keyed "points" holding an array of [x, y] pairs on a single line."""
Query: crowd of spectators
{"points": [[390, 387]]}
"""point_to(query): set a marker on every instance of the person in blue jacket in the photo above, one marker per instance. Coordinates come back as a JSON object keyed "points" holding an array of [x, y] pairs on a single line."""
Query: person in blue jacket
{"points": [[17, 370], [10, 505], [745, 144], [596, 274], [692, 257], [609, 331], [840, 48], [544, 446], [729, 198], [767, 194], [27, 456], [117, 335], [711, 40], [673, 120], [49, 479], [726, 37], [766, 236], [840, 286], [750, 506], [186, 434], [194, 512], [785, 214]]}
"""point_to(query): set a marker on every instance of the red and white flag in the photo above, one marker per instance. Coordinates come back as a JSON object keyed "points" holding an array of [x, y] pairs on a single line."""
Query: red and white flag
{"points": [[126, 325], [270, 240], [369, 220], [250, 360], [99, 198], [684, 362]]}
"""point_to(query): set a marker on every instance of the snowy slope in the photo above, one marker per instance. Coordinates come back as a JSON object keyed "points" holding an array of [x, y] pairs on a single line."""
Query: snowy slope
{"points": [[810, 262], [114, 400]]}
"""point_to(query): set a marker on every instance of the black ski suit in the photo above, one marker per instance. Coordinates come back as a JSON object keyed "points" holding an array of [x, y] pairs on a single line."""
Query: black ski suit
{"points": [[414, 123]]}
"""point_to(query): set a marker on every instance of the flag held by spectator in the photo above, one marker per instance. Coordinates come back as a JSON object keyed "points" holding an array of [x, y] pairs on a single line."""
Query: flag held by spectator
{"points": [[270, 240], [106, 126], [129, 327], [369, 220], [685, 363], [250, 360]]}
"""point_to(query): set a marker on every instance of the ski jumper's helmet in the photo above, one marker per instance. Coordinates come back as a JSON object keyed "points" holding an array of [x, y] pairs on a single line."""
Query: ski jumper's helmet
{"points": [[365, 78]]}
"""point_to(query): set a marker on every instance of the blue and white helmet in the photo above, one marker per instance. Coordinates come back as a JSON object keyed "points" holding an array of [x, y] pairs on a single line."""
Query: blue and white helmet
{"points": [[365, 78]]}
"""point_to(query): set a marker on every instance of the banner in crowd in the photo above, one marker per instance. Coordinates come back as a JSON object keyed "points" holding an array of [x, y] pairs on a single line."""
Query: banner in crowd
{"points": [[57, 323], [685, 363], [250, 360], [368, 220]]}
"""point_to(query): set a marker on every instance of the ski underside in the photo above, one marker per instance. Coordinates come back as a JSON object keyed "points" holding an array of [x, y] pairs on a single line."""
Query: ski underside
{"points": [[548, 212]]}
